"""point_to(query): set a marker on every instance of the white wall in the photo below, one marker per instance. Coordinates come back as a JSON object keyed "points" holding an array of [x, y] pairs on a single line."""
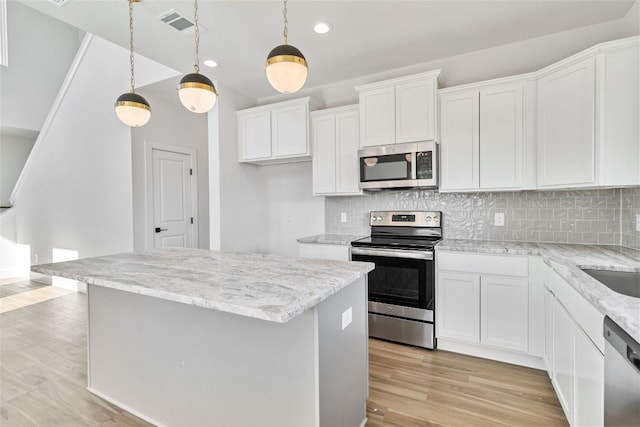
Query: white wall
{"points": [[75, 193], [170, 124], [291, 209], [261, 208], [236, 194], [41, 49], [14, 150]]}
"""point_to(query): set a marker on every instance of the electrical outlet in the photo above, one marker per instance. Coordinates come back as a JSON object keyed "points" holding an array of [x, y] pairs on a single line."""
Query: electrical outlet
{"points": [[35, 258], [637, 222], [499, 219], [347, 317], [343, 217]]}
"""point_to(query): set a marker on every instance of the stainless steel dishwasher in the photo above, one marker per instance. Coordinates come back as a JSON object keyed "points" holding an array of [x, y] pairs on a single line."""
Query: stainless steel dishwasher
{"points": [[621, 377]]}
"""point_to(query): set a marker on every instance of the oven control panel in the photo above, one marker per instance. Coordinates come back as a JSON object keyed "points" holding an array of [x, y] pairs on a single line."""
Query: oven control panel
{"points": [[406, 218]]}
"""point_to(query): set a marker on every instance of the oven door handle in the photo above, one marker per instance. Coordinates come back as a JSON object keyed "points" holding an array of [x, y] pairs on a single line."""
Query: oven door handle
{"points": [[393, 253]]}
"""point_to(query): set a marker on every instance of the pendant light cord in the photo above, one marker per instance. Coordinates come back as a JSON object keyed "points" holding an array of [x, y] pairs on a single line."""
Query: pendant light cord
{"points": [[197, 35], [286, 23], [133, 80]]}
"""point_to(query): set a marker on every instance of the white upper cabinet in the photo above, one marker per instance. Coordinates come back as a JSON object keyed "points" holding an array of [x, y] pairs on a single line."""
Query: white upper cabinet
{"points": [[335, 136], [487, 136], [377, 116], [588, 108], [276, 133], [566, 139], [460, 141], [399, 110], [254, 135], [416, 105]]}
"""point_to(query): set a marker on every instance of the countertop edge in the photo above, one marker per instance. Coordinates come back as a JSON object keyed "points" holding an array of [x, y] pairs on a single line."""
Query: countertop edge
{"points": [[252, 312]]}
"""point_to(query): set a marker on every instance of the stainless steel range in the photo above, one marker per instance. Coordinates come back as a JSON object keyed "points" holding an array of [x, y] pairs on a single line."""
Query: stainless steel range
{"points": [[402, 286]]}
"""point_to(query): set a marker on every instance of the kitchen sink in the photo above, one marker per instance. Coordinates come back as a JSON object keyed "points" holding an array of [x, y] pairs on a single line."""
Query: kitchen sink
{"points": [[622, 282]]}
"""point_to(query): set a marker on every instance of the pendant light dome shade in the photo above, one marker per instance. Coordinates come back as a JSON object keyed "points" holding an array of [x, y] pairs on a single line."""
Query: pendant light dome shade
{"points": [[197, 93], [132, 109], [286, 69]]}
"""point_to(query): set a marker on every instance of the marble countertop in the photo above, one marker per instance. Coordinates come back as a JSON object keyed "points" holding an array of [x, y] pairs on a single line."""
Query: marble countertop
{"points": [[567, 261], [331, 239], [267, 287]]}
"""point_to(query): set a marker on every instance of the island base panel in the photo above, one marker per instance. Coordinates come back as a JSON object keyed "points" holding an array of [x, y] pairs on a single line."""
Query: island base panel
{"points": [[178, 364]]}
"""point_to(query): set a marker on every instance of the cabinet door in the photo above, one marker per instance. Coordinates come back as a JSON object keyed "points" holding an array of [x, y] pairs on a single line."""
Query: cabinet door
{"points": [[323, 130], [458, 306], [377, 117], [460, 141], [347, 143], [501, 135], [566, 134], [254, 135], [504, 312], [416, 111], [589, 382], [563, 329], [289, 130]]}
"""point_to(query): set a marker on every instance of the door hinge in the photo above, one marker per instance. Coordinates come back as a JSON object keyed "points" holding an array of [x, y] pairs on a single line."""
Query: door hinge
{"points": [[190, 171], [191, 220]]}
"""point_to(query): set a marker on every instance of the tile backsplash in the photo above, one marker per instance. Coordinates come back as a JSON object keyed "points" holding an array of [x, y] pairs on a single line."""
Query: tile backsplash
{"points": [[630, 205], [605, 217]]}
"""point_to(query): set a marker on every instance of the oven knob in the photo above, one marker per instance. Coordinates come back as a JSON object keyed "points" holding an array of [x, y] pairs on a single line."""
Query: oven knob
{"points": [[379, 218]]}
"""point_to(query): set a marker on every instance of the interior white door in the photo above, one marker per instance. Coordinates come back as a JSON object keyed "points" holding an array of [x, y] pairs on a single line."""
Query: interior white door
{"points": [[172, 199]]}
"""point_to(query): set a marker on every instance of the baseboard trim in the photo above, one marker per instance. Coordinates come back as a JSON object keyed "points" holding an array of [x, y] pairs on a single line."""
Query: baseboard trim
{"points": [[125, 407], [498, 355]]}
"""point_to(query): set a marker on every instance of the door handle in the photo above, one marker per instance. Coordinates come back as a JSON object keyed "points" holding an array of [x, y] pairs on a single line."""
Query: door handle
{"points": [[158, 229]]}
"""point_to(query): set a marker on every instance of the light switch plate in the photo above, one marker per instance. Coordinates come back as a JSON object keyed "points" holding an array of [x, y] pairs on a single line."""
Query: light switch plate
{"points": [[499, 219], [347, 317], [637, 222], [343, 217]]}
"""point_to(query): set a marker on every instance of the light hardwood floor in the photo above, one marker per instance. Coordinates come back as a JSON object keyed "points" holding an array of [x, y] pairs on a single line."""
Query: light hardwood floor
{"points": [[43, 375], [415, 387]]}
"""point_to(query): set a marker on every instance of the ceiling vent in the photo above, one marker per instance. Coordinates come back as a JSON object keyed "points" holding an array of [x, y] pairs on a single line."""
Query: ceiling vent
{"points": [[58, 2], [176, 20]]}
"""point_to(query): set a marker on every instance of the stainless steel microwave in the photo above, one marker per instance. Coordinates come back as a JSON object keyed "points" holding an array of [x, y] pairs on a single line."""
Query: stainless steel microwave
{"points": [[412, 165]]}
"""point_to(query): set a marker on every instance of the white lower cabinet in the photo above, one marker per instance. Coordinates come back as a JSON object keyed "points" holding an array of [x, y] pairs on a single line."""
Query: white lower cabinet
{"points": [[482, 313], [574, 362], [458, 306], [589, 382], [562, 356], [504, 312]]}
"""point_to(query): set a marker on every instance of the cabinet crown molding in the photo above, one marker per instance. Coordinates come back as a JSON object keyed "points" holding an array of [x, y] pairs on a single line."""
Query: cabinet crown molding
{"points": [[520, 78], [335, 110], [304, 100], [405, 79], [589, 52]]}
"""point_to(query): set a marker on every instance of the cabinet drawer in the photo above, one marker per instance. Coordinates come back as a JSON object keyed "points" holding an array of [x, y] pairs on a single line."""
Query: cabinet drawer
{"points": [[503, 265]]}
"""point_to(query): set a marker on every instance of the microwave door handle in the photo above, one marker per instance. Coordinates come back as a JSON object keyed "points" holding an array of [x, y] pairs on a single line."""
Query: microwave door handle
{"points": [[413, 165]]}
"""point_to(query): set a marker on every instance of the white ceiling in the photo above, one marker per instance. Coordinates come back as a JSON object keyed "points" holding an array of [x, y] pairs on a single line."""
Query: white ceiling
{"points": [[368, 37]]}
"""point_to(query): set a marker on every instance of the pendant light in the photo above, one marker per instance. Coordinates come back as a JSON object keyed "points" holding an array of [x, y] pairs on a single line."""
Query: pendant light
{"points": [[286, 67], [132, 109], [197, 93]]}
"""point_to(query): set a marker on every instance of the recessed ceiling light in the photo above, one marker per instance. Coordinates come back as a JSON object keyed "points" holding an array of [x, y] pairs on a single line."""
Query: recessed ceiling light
{"points": [[210, 63], [322, 28]]}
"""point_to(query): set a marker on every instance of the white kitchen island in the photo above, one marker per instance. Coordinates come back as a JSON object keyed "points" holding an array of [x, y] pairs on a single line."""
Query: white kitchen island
{"points": [[188, 337]]}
